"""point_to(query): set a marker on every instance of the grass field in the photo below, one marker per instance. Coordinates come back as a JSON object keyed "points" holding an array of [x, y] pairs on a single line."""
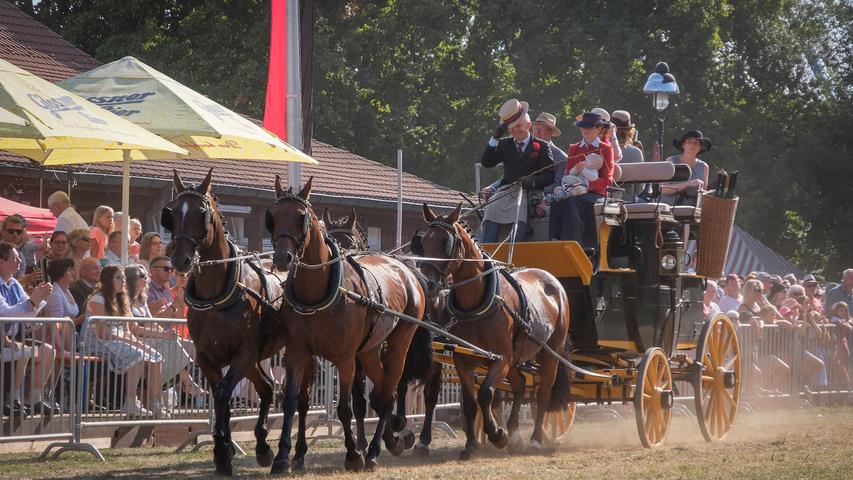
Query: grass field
{"points": [[815, 443]]}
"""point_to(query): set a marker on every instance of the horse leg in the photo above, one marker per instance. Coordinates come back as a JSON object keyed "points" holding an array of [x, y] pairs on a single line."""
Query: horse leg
{"points": [[432, 387], [359, 406], [469, 407], [399, 423], [547, 376], [223, 449], [485, 397], [294, 364], [264, 386], [372, 366], [346, 372], [517, 382], [304, 402], [214, 377]]}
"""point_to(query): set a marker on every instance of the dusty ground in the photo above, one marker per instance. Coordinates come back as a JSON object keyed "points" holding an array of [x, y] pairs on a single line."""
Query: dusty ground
{"points": [[813, 443]]}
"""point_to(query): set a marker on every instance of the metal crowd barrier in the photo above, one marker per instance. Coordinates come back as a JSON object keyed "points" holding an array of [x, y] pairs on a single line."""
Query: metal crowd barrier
{"points": [[38, 379]]}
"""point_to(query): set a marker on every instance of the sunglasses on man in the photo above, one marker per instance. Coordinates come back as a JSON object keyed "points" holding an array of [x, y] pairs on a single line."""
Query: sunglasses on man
{"points": [[15, 231], [164, 267]]}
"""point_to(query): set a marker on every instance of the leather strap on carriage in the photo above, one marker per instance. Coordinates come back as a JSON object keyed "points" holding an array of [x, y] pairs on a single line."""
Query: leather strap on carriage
{"points": [[333, 293], [520, 314], [490, 299], [233, 293]]}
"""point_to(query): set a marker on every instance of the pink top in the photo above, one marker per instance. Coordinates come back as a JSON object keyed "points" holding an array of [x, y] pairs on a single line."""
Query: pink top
{"points": [[99, 241]]}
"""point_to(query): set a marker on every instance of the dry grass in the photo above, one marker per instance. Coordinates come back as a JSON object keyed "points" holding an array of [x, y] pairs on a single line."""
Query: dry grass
{"points": [[779, 445]]}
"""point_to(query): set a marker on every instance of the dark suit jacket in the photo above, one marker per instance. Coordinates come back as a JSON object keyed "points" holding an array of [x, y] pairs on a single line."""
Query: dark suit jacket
{"points": [[516, 167], [80, 291]]}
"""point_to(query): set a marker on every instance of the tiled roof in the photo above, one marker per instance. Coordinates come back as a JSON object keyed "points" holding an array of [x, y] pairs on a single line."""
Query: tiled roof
{"points": [[32, 46]]}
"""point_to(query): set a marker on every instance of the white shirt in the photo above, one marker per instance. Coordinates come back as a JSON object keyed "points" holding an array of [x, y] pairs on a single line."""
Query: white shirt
{"points": [[61, 303], [595, 143], [728, 303], [69, 220], [493, 142]]}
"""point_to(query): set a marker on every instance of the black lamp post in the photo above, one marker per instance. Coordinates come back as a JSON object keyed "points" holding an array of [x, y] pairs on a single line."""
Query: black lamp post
{"points": [[660, 85]]}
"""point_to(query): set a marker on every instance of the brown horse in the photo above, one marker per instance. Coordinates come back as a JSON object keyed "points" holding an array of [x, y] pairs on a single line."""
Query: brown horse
{"points": [[489, 312], [318, 319], [226, 313]]}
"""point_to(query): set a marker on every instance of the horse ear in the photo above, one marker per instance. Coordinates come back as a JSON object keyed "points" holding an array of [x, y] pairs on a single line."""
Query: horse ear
{"points": [[429, 215], [353, 218], [278, 190], [179, 185], [205, 184], [326, 218], [305, 193], [454, 215]]}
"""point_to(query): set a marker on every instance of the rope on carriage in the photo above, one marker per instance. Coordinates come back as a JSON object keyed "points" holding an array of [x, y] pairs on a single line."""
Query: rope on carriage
{"points": [[382, 309]]}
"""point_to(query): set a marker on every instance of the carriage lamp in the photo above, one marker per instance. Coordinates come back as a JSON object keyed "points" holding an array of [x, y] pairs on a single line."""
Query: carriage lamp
{"points": [[671, 254], [660, 85]]}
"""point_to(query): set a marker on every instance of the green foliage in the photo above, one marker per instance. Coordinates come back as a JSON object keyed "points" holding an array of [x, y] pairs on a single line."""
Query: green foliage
{"points": [[770, 81]]}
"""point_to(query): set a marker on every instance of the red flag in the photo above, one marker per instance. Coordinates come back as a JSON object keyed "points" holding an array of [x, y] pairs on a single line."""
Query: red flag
{"points": [[275, 111]]}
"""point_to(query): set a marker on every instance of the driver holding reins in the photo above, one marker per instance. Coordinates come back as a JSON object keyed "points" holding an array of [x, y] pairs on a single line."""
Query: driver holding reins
{"points": [[522, 154]]}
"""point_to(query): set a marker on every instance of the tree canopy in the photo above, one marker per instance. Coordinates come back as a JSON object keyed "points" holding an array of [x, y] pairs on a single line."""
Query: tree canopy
{"points": [[769, 81]]}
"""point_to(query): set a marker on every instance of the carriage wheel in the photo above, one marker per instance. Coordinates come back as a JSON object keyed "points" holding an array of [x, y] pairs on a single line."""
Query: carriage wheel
{"points": [[653, 398], [716, 381], [556, 425]]}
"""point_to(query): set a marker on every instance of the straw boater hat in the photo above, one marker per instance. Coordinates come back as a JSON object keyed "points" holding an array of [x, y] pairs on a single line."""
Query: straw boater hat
{"points": [[547, 120], [602, 113], [512, 112]]}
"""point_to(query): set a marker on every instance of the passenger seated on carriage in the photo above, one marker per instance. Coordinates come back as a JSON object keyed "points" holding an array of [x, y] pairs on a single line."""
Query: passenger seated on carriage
{"points": [[691, 144], [573, 218], [524, 157]]}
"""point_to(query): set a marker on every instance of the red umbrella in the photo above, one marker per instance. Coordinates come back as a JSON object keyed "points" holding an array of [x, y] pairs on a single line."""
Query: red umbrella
{"points": [[39, 220]]}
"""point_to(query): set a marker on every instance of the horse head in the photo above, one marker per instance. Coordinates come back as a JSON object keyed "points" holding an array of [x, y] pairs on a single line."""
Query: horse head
{"points": [[193, 219], [346, 231], [290, 221], [441, 243]]}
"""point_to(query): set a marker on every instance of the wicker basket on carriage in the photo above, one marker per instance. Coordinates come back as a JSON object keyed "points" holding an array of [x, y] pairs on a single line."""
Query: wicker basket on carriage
{"points": [[715, 233]]}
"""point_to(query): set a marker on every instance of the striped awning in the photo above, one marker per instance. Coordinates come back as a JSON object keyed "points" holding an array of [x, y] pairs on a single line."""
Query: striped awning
{"points": [[746, 254]]}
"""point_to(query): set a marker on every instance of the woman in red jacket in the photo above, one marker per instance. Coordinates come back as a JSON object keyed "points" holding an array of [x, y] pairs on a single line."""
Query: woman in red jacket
{"points": [[574, 217]]}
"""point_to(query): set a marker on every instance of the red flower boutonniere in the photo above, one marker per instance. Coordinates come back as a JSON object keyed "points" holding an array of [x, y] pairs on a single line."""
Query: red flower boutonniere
{"points": [[535, 153]]}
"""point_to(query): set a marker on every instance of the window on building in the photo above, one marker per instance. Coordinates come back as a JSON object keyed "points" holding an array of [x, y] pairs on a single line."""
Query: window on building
{"points": [[374, 238]]}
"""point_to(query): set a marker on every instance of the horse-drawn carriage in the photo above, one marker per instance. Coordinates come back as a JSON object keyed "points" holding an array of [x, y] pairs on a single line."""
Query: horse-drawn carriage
{"points": [[637, 320]]}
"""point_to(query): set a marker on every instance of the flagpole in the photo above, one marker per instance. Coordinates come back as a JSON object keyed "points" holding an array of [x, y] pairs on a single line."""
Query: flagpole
{"points": [[294, 92]]}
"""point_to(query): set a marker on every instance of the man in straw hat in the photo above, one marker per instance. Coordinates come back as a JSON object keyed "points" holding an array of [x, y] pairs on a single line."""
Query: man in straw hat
{"points": [[525, 159], [545, 127]]}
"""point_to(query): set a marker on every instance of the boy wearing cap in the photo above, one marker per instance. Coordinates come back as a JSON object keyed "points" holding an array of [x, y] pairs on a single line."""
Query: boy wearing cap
{"points": [[525, 160]]}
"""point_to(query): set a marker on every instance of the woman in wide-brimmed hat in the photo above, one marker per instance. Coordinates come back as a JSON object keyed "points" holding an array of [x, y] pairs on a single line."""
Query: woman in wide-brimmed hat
{"points": [[632, 150], [574, 217], [691, 144]]}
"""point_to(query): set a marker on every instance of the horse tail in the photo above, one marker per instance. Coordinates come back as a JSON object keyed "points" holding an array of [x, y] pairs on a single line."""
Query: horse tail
{"points": [[561, 390], [420, 357]]}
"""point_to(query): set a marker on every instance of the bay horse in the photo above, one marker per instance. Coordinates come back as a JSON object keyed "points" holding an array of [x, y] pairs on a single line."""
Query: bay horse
{"points": [[350, 235], [500, 312], [227, 320], [317, 319]]}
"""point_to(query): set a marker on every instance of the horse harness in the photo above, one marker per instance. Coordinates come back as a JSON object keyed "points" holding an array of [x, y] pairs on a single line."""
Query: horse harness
{"points": [[166, 215], [235, 290], [269, 221]]}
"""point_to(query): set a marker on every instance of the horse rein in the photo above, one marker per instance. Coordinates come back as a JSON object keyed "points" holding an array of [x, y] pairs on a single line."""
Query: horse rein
{"points": [[208, 221]]}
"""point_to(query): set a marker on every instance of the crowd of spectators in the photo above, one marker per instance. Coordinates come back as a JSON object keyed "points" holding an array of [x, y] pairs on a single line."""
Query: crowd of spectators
{"points": [[819, 312], [76, 273]]}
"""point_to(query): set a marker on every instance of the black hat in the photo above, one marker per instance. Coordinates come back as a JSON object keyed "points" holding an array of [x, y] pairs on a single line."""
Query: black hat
{"points": [[590, 120], [775, 288], [706, 144]]}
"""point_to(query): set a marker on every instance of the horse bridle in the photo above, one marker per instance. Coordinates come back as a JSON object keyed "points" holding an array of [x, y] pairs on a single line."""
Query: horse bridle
{"points": [[269, 222], [166, 217], [453, 250], [349, 235]]}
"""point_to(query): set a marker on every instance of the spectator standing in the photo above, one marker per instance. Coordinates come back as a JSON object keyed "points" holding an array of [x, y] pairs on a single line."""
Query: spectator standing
{"points": [[102, 227], [710, 305], [841, 293], [150, 247], [79, 244], [133, 246], [87, 281], [812, 287], [751, 305], [14, 302], [67, 219], [112, 255], [732, 298], [160, 300]]}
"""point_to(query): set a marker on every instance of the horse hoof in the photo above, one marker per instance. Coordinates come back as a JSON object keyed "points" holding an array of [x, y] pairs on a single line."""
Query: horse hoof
{"points": [[534, 446], [421, 450], [499, 439], [264, 457], [396, 446], [355, 464], [371, 465], [298, 465], [398, 423], [225, 471], [464, 455], [280, 467], [361, 444], [408, 437]]}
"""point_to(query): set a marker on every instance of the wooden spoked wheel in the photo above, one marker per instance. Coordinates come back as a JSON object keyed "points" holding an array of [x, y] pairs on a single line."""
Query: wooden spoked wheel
{"points": [[556, 425], [653, 398], [717, 378]]}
